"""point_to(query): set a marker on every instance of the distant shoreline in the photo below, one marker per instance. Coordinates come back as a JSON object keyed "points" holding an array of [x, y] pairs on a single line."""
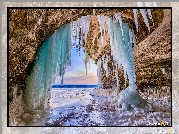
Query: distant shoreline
{"points": [[76, 86]]}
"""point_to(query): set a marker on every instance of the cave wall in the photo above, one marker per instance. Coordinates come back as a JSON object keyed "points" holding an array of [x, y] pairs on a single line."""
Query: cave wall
{"points": [[153, 53]]}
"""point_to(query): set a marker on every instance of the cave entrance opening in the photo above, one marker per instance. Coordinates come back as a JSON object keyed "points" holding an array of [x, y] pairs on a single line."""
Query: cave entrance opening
{"points": [[54, 56]]}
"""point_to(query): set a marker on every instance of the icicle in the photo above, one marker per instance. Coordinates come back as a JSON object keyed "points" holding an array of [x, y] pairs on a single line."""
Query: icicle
{"points": [[145, 18], [150, 14], [103, 59], [101, 24], [110, 24], [99, 73], [117, 78], [72, 32], [130, 36], [81, 28], [133, 37], [89, 63], [86, 23], [135, 11], [105, 64], [118, 19], [87, 58], [147, 4]]}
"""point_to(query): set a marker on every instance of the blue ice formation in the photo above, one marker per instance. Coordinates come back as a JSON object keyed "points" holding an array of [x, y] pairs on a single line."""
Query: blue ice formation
{"points": [[121, 40], [51, 60]]}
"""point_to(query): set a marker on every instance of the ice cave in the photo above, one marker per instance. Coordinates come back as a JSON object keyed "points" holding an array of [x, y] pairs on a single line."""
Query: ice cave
{"points": [[121, 104]]}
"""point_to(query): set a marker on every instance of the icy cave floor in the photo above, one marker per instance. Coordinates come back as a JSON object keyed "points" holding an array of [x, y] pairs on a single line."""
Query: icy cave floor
{"points": [[81, 108]]}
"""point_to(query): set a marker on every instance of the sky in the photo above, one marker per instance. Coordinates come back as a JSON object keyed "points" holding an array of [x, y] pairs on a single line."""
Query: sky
{"points": [[76, 73]]}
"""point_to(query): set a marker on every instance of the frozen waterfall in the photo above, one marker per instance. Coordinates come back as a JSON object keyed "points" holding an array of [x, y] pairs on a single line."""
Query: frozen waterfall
{"points": [[51, 60], [121, 40]]}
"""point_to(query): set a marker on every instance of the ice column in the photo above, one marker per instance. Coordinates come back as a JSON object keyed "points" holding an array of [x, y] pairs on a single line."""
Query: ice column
{"points": [[121, 39]]}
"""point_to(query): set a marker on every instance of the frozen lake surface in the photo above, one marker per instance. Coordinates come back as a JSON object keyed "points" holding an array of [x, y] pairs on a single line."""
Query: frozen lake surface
{"points": [[78, 107]]}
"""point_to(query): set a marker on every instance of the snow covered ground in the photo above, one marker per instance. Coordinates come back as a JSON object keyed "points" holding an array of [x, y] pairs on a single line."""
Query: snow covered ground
{"points": [[79, 107]]}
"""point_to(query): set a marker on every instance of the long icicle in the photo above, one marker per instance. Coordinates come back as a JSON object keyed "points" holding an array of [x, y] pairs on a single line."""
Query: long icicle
{"points": [[145, 18]]}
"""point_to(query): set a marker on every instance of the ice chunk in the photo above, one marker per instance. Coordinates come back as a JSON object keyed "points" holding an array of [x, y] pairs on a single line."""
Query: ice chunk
{"points": [[130, 99]]}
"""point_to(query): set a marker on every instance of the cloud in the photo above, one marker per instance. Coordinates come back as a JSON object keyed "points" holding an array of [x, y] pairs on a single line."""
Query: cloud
{"points": [[84, 79]]}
